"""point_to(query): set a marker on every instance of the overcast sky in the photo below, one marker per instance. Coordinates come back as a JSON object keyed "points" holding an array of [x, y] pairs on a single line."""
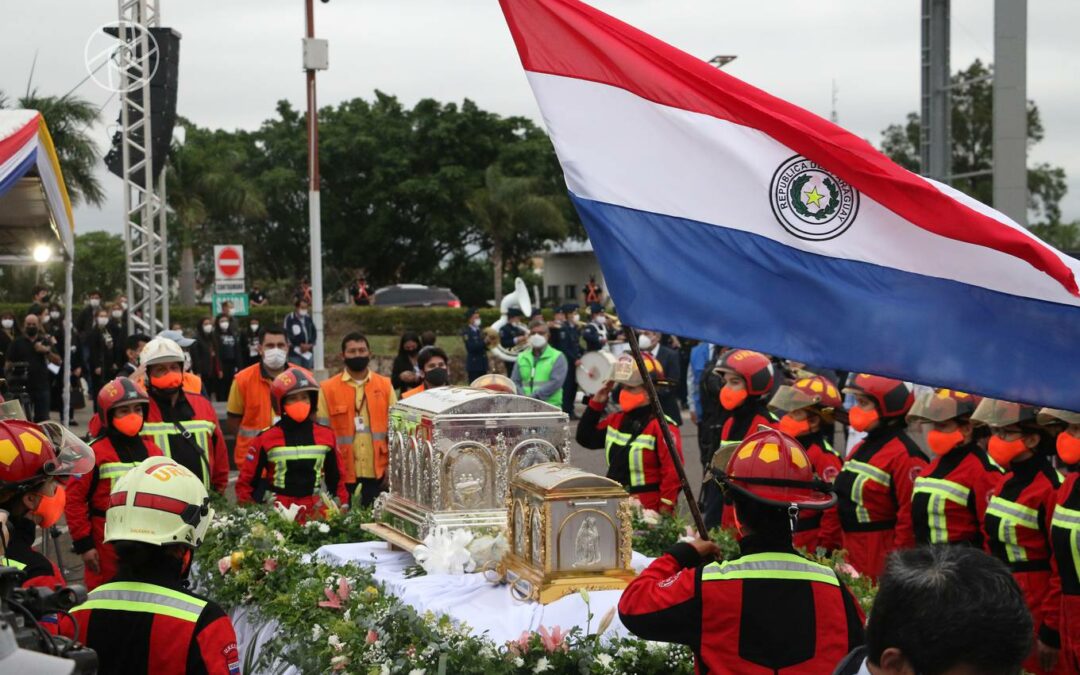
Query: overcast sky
{"points": [[238, 57]]}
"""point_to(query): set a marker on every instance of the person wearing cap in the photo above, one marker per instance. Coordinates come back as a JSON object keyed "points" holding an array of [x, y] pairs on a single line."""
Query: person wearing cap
{"points": [[190, 382], [770, 610], [146, 621], [434, 367], [637, 454], [1065, 529], [122, 408], [513, 333], [540, 370], [809, 406], [476, 353], [874, 488], [182, 423], [38, 460], [249, 409], [748, 380], [1019, 516], [595, 333], [567, 339], [296, 455], [948, 502]]}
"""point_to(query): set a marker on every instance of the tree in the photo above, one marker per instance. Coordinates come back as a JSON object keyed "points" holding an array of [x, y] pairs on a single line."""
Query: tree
{"points": [[515, 218], [69, 119], [100, 265], [972, 136]]}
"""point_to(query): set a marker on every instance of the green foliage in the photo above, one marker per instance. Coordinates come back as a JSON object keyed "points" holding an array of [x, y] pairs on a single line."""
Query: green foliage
{"points": [[972, 135], [99, 265], [1062, 236]]}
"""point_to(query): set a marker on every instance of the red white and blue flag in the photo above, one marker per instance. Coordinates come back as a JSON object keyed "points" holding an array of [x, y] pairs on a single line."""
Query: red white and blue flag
{"points": [[723, 213]]}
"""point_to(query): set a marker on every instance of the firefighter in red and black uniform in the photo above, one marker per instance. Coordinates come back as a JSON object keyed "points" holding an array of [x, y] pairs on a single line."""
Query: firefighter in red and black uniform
{"points": [[748, 381], [1019, 516], [637, 454], [1065, 531], [122, 406], [293, 456], [768, 611], [35, 460], [184, 425], [948, 504], [874, 488], [809, 405], [145, 620]]}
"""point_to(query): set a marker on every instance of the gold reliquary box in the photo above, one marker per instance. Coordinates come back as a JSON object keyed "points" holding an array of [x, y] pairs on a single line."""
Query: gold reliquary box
{"points": [[569, 530]]}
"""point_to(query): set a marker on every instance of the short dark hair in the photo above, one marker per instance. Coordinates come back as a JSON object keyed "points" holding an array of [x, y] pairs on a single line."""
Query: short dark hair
{"points": [[270, 330], [133, 340], [943, 606], [763, 519], [428, 353], [427, 338], [355, 336], [296, 303]]}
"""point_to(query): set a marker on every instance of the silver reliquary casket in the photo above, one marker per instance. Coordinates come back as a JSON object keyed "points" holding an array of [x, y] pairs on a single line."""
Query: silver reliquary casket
{"points": [[453, 453], [568, 530]]}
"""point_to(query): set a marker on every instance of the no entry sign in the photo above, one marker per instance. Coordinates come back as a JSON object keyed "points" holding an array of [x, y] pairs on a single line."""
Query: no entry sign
{"points": [[229, 262]]}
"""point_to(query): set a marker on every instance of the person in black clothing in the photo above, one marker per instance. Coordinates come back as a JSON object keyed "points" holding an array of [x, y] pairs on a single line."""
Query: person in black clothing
{"points": [[567, 339], [132, 346], [119, 330], [359, 291], [8, 331], [250, 339], [34, 349], [228, 355], [204, 354], [651, 341], [405, 373], [85, 320], [101, 346], [256, 298], [41, 298], [476, 356]]}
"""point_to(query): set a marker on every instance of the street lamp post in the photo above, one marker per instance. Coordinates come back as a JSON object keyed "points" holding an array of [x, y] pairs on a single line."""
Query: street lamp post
{"points": [[315, 58]]}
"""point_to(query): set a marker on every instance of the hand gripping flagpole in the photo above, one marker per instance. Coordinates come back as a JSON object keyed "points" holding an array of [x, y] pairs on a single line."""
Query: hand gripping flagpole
{"points": [[665, 429]]}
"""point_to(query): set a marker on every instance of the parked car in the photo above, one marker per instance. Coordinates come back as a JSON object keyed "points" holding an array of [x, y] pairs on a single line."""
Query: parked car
{"points": [[414, 295]]}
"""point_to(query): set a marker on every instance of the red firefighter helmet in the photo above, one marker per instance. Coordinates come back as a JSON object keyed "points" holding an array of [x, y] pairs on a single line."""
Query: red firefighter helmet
{"points": [[754, 367], [816, 393], [892, 397], [120, 391], [773, 468], [30, 453], [943, 405], [292, 380]]}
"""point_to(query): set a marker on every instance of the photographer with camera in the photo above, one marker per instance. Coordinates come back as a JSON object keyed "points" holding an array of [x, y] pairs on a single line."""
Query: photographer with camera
{"points": [[34, 348], [146, 621]]}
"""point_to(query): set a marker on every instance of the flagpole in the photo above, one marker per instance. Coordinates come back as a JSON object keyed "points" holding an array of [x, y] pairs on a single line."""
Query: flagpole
{"points": [[665, 429]]}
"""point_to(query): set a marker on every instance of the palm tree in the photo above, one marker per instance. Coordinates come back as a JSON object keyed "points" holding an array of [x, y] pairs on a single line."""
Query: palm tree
{"points": [[69, 119], [515, 217], [206, 184]]}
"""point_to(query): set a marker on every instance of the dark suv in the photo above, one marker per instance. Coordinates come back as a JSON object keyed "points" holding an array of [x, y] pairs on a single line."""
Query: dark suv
{"points": [[414, 295]]}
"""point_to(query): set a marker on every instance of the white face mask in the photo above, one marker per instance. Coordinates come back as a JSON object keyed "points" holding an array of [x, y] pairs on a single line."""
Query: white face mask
{"points": [[537, 341], [645, 342], [254, 328], [600, 320], [103, 321], [94, 302], [476, 323], [55, 315], [224, 325], [124, 304], [575, 317], [187, 362], [45, 319], [301, 312], [208, 328], [8, 323], [116, 314], [274, 358]]}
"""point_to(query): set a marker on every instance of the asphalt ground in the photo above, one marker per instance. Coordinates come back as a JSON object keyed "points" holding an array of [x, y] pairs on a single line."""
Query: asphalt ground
{"points": [[589, 460]]}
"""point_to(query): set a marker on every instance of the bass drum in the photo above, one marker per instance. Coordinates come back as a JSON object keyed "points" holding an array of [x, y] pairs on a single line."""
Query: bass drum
{"points": [[594, 371]]}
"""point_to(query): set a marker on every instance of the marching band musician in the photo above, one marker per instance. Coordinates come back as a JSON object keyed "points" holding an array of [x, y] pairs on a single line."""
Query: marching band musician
{"points": [[595, 333], [512, 333], [566, 337]]}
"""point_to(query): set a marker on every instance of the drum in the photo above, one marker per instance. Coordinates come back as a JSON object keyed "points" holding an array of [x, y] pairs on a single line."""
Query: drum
{"points": [[594, 371]]}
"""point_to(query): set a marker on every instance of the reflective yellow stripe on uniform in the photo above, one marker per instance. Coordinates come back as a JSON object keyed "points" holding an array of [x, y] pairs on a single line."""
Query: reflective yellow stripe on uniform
{"points": [[769, 566], [614, 437], [114, 470], [281, 456], [8, 562], [131, 596], [200, 430], [1069, 519], [638, 447], [1012, 516], [939, 491], [864, 472]]}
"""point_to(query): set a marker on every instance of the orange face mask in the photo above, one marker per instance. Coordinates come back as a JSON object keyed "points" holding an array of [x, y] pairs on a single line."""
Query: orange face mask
{"points": [[862, 419], [793, 427], [628, 400], [298, 411], [1068, 447], [1004, 452], [732, 398], [49, 509], [941, 442], [170, 380], [129, 425]]}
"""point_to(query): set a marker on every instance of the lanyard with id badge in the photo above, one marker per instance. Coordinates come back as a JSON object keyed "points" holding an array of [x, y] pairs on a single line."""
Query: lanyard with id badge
{"points": [[358, 420]]}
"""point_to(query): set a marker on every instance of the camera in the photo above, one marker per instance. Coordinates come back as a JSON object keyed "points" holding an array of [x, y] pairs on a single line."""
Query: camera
{"points": [[20, 611]]}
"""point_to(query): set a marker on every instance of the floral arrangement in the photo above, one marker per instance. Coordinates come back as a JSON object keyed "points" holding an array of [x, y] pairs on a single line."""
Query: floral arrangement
{"points": [[332, 618]]}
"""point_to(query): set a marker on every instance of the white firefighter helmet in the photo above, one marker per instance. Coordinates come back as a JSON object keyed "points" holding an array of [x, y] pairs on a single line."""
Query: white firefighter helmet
{"points": [[160, 350], [158, 502]]}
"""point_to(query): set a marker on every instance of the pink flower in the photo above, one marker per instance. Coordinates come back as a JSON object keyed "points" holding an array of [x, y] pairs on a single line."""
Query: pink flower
{"points": [[553, 639], [847, 569], [334, 599], [410, 651], [224, 564], [372, 637], [521, 645], [270, 564]]}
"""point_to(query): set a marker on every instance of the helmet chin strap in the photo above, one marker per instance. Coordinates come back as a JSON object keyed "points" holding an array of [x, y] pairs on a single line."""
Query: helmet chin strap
{"points": [[793, 516]]}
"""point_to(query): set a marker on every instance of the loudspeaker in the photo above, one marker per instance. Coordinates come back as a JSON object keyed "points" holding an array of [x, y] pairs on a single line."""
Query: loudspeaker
{"points": [[165, 65]]}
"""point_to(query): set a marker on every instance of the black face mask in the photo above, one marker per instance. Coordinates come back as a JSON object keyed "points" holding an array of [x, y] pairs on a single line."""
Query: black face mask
{"points": [[414, 350], [437, 377], [357, 364], [31, 331]]}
